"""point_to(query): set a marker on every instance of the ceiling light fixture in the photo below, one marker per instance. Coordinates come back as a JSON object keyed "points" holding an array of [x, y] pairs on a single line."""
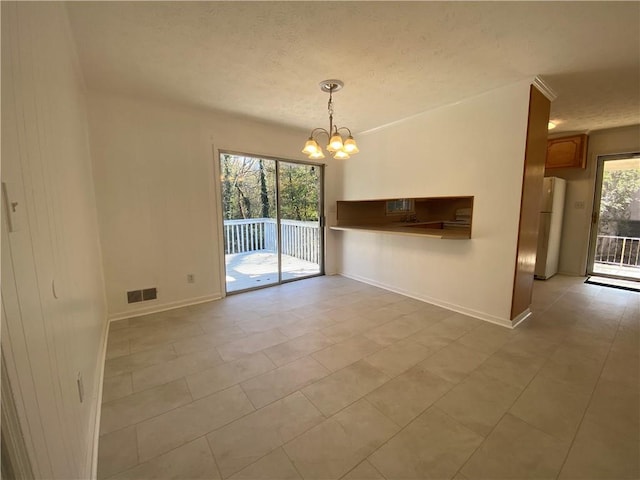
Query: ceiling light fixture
{"points": [[338, 147]]}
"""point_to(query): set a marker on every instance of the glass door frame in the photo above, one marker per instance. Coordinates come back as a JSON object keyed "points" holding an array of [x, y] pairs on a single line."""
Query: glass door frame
{"points": [[595, 214], [321, 218]]}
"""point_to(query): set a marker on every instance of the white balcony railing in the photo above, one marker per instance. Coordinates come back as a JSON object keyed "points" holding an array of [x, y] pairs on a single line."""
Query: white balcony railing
{"points": [[613, 250], [299, 239]]}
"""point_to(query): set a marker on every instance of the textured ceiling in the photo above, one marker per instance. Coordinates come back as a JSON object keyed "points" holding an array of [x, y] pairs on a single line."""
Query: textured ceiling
{"points": [[397, 59]]}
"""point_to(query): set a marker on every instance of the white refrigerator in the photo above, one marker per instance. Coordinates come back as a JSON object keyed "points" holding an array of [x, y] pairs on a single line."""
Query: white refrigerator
{"points": [[550, 230]]}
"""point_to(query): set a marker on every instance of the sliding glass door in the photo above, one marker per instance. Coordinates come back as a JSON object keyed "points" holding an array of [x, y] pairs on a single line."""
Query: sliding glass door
{"points": [[615, 236], [271, 220], [300, 232], [249, 211]]}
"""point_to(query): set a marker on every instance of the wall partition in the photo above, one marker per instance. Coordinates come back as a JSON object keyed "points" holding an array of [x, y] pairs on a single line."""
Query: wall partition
{"points": [[272, 220]]}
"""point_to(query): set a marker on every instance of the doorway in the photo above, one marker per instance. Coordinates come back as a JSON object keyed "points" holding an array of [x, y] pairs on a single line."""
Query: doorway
{"points": [[272, 220], [615, 234]]}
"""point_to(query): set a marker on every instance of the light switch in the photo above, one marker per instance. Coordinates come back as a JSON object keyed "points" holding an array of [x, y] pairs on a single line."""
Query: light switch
{"points": [[14, 208]]}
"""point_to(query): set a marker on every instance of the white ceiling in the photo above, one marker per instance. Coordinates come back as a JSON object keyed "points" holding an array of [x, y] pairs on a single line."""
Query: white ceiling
{"points": [[397, 59]]}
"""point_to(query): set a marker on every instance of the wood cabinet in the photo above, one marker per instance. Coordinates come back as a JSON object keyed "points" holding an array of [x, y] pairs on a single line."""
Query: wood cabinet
{"points": [[567, 152], [436, 217]]}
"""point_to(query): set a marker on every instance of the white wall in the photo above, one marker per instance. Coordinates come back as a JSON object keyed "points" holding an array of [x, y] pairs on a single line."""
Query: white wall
{"points": [[580, 194], [54, 315], [475, 147], [158, 194]]}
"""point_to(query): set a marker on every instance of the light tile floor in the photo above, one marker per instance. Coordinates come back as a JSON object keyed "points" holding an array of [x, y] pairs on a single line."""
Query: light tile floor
{"points": [[331, 378]]}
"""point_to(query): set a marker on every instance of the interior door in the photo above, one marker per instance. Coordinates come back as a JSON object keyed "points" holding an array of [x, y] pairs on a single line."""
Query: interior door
{"points": [[615, 230]]}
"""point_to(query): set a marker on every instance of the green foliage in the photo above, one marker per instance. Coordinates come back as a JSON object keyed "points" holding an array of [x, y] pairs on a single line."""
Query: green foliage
{"points": [[264, 194], [619, 188], [298, 192], [248, 189], [226, 187]]}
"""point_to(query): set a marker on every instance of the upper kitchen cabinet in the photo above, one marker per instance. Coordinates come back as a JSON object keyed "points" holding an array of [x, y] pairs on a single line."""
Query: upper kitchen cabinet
{"points": [[567, 152]]}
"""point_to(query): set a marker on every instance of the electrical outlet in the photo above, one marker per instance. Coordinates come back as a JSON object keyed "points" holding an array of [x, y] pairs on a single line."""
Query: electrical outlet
{"points": [[191, 278], [579, 205]]}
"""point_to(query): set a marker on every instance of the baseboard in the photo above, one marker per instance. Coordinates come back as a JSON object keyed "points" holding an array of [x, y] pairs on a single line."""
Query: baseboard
{"points": [[520, 318], [98, 409], [164, 307], [434, 301], [571, 274]]}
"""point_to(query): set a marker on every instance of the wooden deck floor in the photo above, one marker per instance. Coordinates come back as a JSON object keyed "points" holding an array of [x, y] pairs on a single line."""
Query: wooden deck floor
{"points": [[256, 269], [632, 273]]}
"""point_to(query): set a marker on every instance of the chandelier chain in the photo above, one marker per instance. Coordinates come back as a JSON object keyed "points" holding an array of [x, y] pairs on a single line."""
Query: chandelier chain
{"points": [[330, 104]]}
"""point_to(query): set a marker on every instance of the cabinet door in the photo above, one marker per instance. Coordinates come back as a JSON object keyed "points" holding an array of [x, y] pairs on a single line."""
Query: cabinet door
{"points": [[567, 152]]}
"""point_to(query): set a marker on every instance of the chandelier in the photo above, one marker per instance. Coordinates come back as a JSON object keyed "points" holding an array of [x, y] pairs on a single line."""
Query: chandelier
{"points": [[338, 147]]}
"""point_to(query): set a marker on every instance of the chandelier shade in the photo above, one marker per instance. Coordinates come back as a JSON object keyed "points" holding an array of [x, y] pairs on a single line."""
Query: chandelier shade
{"points": [[350, 146], [335, 143], [311, 147], [337, 146], [341, 155]]}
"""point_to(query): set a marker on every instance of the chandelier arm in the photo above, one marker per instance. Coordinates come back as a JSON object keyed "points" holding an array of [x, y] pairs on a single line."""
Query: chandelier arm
{"points": [[321, 130], [344, 128]]}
